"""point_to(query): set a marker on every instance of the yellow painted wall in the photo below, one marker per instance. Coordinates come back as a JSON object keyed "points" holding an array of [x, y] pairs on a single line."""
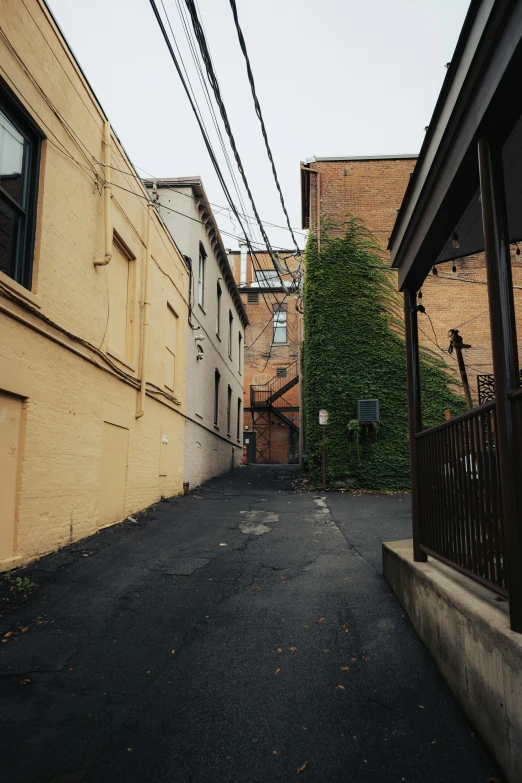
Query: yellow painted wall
{"points": [[70, 347]]}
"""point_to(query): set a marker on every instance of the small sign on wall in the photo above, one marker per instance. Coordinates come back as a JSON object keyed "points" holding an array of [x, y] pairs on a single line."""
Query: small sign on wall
{"points": [[323, 417]]}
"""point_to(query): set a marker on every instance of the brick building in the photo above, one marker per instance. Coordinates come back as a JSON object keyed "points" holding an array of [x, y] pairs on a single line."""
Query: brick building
{"points": [[272, 340], [454, 294], [93, 308]]}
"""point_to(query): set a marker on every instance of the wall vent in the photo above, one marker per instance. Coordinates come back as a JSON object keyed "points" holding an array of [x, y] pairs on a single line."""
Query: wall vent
{"points": [[253, 297], [282, 372], [368, 410]]}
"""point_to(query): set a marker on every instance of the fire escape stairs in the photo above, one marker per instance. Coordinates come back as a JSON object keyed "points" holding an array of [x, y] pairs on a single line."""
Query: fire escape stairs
{"points": [[263, 396]]}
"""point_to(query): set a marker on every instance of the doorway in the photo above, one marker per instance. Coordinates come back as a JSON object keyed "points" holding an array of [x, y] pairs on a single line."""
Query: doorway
{"points": [[249, 440], [10, 424]]}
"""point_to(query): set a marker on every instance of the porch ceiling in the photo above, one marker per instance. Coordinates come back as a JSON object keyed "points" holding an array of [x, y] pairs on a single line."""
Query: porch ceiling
{"points": [[481, 97], [469, 227]]}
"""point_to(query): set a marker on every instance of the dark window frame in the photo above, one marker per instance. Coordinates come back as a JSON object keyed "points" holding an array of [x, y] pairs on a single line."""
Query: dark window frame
{"points": [[229, 408], [219, 294], [230, 322], [33, 137], [202, 268], [217, 378], [238, 431]]}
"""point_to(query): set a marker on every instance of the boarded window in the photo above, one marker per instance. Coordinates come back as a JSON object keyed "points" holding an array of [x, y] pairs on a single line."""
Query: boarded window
{"points": [[171, 336], [120, 283]]}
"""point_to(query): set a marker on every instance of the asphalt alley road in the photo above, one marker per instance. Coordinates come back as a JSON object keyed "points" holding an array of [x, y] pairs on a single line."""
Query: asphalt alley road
{"points": [[242, 633]]}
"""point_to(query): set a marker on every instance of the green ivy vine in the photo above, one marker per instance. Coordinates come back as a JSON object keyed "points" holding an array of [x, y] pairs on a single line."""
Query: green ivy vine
{"points": [[354, 349]]}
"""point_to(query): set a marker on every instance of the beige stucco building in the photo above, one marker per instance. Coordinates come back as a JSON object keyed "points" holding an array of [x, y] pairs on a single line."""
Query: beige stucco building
{"points": [[94, 298], [216, 333]]}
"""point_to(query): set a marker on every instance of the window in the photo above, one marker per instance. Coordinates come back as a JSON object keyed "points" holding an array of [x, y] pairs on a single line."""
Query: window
{"points": [[121, 283], [281, 372], [171, 331], [279, 323], [238, 428], [19, 159], [218, 310], [229, 405], [216, 397], [253, 297], [239, 351], [230, 321], [201, 275], [268, 278]]}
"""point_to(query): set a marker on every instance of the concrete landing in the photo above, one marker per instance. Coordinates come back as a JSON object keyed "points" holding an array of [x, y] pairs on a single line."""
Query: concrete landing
{"points": [[465, 627]]}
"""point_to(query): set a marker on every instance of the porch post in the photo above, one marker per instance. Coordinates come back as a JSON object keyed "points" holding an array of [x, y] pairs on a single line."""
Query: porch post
{"points": [[414, 413], [505, 361]]}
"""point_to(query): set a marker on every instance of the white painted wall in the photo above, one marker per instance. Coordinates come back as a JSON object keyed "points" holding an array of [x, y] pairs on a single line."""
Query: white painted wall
{"points": [[209, 450]]}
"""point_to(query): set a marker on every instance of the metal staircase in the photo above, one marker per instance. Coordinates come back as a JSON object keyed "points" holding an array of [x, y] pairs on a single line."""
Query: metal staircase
{"points": [[267, 399]]}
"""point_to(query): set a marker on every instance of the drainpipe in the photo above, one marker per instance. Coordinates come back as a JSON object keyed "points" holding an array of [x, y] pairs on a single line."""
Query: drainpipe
{"points": [[145, 317], [107, 205], [318, 209]]}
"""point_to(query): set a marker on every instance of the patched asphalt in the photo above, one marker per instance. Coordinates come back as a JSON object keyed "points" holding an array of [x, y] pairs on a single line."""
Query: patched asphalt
{"points": [[241, 633]]}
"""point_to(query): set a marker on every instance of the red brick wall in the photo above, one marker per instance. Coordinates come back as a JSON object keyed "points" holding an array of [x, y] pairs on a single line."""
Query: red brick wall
{"points": [[262, 357], [373, 191]]}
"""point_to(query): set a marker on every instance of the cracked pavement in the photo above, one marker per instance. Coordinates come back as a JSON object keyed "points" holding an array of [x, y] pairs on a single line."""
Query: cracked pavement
{"points": [[240, 633]]}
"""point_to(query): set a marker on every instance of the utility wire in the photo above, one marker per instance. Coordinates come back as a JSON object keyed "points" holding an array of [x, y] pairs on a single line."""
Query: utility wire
{"points": [[204, 133], [200, 37], [260, 116]]}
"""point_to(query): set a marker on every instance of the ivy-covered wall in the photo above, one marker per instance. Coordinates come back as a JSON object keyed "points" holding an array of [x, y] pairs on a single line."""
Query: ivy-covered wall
{"points": [[354, 349]]}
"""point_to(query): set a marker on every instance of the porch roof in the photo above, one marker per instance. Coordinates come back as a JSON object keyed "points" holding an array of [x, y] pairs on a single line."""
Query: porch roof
{"points": [[480, 97]]}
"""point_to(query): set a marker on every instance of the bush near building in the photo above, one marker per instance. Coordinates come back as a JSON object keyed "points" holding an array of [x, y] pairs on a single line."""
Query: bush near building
{"points": [[354, 349]]}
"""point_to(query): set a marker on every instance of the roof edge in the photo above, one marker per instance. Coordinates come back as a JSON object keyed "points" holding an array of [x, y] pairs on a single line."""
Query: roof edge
{"points": [[400, 156]]}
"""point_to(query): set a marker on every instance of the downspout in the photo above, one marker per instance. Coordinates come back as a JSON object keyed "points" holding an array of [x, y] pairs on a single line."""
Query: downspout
{"points": [[107, 196], [318, 208], [145, 317]]}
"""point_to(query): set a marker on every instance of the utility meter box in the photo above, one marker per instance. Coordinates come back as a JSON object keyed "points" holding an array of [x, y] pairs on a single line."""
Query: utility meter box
{"points": [[368, 410]]}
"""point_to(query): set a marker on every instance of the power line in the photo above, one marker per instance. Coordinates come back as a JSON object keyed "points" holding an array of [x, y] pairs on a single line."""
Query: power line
{"points": [[203, 47], [202, 129], [260, 116]]}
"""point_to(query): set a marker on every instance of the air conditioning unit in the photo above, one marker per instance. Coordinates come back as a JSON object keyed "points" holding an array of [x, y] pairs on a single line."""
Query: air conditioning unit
{"points": [[368, 410]]}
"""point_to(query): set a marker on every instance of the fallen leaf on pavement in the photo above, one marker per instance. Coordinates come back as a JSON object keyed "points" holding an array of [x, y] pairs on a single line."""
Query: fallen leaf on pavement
{"points": [[341, 687], [434, 742], [223, 545], [255, 588], [173, 651], [283, 578], [364, 658], [305, 626], [26, 682], [353, 660], [319, 620], [279, 649], [302, 768], [275, 753], [304, 727], [277, 671], [23, 628], [421, 707], [346, 628], [293, 649], [345, 668]]}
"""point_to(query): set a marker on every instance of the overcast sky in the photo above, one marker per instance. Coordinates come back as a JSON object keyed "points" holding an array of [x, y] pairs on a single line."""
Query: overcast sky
{"points": [[334, 77]]}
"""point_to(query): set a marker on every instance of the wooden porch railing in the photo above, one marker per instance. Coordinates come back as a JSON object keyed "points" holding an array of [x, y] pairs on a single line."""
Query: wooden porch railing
{"points": [[459, 495]]}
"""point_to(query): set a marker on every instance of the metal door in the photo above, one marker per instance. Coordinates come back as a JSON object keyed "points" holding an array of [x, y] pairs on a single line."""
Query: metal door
{"points": [[249, 440]]}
